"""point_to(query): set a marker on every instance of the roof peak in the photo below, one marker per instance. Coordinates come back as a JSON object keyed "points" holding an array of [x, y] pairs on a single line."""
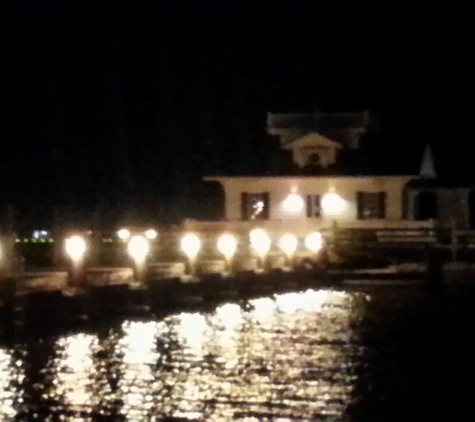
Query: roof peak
{"points": [[427, 164]]}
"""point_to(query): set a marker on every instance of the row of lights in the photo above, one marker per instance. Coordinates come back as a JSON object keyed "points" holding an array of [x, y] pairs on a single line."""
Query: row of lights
{"points": [[124, 234], [138, 246], [332, 204], [288, 243]]}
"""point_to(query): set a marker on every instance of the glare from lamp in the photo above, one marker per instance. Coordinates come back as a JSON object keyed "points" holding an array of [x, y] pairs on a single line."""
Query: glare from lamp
{"points": [[314, 242], [227, 245], [257, 233], [123, 234], [260, 242], [138, 248], [75, 247], [294, 203], [288, 244], [151, 234], [333, 204], [190, 245]]}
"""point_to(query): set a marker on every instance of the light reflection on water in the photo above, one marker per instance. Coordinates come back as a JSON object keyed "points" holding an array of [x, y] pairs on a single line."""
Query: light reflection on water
{"points": [[75, 369], [6, 392], [290, 355], [139, 356]]}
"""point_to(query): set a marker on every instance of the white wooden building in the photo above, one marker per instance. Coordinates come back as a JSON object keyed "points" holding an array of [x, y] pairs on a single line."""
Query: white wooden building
{"points": [[330, 194]]}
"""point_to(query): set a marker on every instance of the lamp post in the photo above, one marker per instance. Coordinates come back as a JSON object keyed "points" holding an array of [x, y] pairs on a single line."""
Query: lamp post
{"points": [[288, 244], [138, 248], [75, 247], [191, 245], [227, 245], [261, 243]]}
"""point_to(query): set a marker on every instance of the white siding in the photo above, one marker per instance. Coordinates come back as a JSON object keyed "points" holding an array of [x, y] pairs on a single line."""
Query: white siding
{"points": [[346, 187]]}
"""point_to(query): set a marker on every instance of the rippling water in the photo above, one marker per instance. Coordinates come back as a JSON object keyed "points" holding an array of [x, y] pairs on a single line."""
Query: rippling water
{"points": [[314, 355]]}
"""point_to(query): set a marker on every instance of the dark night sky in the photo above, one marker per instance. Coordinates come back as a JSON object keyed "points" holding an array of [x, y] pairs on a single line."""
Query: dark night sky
{"points": [[131, 105]]}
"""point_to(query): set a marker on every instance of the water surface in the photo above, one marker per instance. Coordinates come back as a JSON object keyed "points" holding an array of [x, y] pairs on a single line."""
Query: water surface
{"points": [[387, 354]]}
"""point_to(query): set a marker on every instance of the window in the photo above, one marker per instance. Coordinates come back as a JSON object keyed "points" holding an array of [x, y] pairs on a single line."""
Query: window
{"points": [[371, 206], [254, 206], [313, 206], [314, 159]]}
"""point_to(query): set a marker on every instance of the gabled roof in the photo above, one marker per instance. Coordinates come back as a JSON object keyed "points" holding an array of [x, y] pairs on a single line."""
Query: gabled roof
{"points": [[312, 138]]}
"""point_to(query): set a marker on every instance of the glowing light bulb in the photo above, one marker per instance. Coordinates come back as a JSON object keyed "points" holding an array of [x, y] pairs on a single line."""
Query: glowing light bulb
{"points": [[294, 203], [151, 234], [288, 244], [138, 248], [314, 242], [75, 247], [191, 244], [123, 234], [257, 233], [227, 245], [333, 204], [260, 242]]}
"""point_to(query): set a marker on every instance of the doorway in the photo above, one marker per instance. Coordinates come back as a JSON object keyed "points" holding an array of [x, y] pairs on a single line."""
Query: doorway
{"points": [[426, 206]]}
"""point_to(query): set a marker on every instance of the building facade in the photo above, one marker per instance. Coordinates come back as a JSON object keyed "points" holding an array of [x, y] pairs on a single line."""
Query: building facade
{"points": [[337, 196], [301, 204]]}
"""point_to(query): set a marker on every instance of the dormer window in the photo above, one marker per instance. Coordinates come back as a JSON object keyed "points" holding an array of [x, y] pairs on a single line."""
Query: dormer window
{"points": [[314, 159], [313, 149]]}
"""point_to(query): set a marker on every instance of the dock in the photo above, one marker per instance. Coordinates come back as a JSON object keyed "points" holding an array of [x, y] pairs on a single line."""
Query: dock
{"points": [[93, 282], [40, 302]]}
